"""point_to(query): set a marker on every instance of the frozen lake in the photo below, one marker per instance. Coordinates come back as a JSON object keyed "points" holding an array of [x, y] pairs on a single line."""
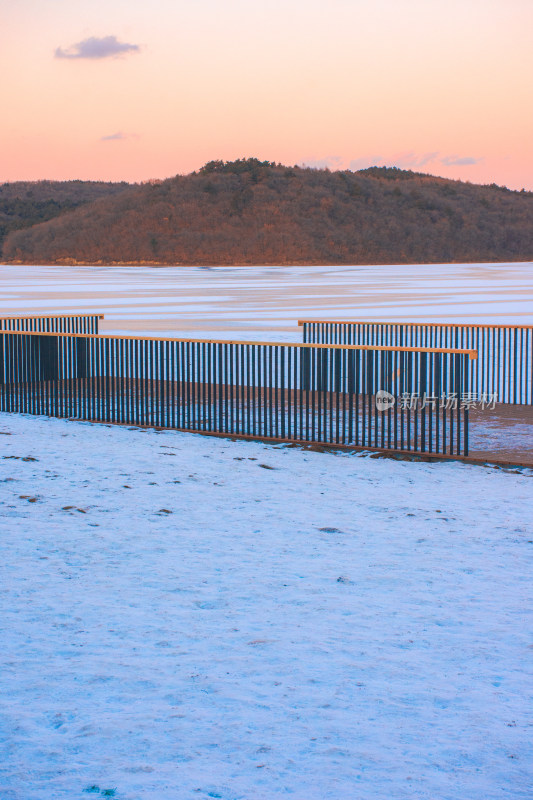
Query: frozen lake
{"points": [[266, 302]]}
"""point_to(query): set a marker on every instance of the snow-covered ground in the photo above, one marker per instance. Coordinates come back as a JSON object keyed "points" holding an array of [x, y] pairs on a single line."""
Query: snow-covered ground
{"points": [[190, 617]]}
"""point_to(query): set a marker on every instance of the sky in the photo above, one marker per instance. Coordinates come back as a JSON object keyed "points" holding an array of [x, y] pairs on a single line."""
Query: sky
{"points": [[135, 90]]}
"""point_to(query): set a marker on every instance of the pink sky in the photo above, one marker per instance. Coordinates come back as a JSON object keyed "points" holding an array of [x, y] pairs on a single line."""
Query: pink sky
{"points": [[131, 90]]}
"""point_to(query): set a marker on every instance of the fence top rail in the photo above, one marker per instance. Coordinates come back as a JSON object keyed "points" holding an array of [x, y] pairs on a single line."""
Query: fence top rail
{"points": [[50, 316], [400, 322], [472, 354]]}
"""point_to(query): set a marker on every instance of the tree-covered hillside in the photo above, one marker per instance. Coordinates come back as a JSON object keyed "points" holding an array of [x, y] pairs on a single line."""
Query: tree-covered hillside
{"points": [[27, 203], [259, 212]]}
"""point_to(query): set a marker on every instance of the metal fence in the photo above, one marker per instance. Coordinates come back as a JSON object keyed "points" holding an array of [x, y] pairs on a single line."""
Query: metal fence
{"points": [[57, 324], [503, 369], [329, 394]]}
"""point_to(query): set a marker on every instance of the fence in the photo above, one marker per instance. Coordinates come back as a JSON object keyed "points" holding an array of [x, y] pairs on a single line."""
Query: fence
{"points": [[291, 392], [503, 370], [57, 324]]}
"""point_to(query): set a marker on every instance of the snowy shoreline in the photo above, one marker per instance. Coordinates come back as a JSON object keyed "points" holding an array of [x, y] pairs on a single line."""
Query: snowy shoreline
{"points": [[192, 617]]}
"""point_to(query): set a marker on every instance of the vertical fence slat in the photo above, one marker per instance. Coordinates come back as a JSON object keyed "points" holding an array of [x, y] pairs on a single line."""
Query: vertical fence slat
{"points": [[503, 370]]}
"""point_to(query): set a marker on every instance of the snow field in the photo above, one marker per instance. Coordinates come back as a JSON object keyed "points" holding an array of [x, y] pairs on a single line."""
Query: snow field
{"points": [[190, 617]]}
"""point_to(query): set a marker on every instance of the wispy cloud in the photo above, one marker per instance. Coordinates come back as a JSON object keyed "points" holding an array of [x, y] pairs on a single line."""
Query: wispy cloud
{"points": [[114, 137], [96, 48], [366, 161], [460, 161], [409, 160], [412, 160], [119, 136], [416, 160], [331, 162]]}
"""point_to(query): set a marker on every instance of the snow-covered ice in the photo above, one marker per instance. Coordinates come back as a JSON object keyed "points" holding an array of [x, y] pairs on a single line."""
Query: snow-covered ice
{"points": [[191, 617], [264, 303]]}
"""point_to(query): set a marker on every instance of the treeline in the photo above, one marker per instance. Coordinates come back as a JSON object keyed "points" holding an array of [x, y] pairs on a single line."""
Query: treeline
{"points": [[27, 203], [259, 212]]}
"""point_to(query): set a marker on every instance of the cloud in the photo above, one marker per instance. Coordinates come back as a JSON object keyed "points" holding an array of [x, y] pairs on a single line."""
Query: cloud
{"points": [[96, 48], [417, 160], [431, 160], [114, 137], [329, 162], [407, 160], [412, 160], [463, 161], [119, 136], [366, 161]]}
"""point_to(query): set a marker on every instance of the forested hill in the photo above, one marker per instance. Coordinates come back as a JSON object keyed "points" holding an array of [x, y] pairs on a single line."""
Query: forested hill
{"points": [[253, 212], [26, 203]]}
